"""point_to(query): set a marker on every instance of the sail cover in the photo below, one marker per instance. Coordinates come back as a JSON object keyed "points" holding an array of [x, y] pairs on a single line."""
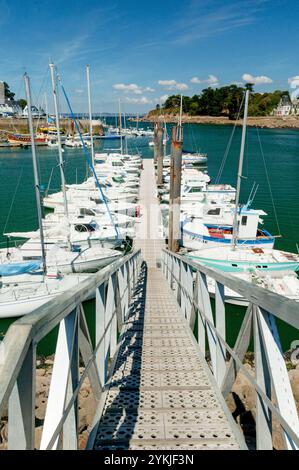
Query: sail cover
{"points": [[13, 269]]}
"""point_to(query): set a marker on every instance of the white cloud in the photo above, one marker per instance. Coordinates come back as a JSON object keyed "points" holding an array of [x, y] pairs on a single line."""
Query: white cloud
{"points": [[173, 85], [132, 88], [293, 81], [211, 80], [142, 100], [259, 80]]}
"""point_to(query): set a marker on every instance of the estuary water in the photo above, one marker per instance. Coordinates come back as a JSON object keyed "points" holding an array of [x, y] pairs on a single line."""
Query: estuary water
{"points": [[271, 162]]}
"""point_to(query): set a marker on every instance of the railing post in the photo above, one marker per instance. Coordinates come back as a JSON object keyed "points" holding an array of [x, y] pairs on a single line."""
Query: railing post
{"points": [[263, 414], [21, 408], [207, 311], [101, 322], [111, 315], [201, 324], [278, 372], [220, 325], [70, 427], [65, 348]]}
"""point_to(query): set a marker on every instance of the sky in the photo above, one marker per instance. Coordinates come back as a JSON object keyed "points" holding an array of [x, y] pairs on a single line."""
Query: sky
{"points": [[143, 51]]}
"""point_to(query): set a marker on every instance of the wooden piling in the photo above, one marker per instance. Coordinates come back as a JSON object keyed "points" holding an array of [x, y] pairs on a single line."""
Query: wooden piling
{"points": [[159, 155], [174, 225]]}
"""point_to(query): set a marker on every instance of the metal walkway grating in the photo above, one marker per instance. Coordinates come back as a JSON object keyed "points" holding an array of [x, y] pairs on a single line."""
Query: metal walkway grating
{"points": [[160, 395]]}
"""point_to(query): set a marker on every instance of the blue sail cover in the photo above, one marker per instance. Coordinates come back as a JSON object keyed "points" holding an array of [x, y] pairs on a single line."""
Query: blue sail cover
{"points": [[13, 269]]}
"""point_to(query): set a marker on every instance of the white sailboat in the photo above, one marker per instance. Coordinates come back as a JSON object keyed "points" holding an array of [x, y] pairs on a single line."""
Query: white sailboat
{"points": [[249, 258], [20, 298]]}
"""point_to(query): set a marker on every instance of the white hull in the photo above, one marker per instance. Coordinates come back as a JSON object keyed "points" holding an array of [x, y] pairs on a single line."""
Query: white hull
{"points": [[23, 300]]}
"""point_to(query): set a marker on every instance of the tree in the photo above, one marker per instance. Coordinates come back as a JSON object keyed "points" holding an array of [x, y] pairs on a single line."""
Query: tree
{"points": [[224, 101], [9, 95], [22, 103], [158, 107]]}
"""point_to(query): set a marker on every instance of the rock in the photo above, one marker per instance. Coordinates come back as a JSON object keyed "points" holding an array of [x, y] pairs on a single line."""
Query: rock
{"points": [[38, 436], [87, 407], [41, 405], [294, 380], [83, 438], [3, 432], [49, 362], [40, 372], [84, 392], [245, 391], [42, 382]]}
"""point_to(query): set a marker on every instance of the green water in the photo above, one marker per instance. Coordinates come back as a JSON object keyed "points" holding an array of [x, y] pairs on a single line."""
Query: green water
{"points": [[280, 148]]}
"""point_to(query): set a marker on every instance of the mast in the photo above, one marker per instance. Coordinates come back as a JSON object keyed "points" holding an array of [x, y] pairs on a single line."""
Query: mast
{"points": [[35, 172], [90, 113], [179, 128], [120, 128], [61, 162], [240, 170], [47, 111], [125, 135]]}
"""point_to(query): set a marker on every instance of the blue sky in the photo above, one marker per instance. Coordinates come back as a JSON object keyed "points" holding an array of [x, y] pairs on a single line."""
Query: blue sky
{"points": [[142, 51]]}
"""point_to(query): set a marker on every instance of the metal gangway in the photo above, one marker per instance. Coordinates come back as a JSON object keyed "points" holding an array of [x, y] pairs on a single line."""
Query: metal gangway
{"points": [[160, 367]]}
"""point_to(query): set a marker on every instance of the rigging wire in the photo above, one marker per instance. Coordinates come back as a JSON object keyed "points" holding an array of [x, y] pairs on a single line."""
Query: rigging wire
{"points": [[229, 145], [13, 199], [268, 180]]}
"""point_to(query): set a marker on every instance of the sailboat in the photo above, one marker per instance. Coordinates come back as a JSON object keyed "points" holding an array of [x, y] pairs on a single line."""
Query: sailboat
{"points": [[63, 249], [250, 258], [21, 295]]}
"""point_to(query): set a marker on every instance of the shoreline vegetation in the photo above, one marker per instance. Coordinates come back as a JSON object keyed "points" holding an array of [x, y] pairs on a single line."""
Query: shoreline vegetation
{"points": [[269, 122], [222, 106]]}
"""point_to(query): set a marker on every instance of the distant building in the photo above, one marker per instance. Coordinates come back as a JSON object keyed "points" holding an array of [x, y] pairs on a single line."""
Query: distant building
{"points": [[36, 113], [8, 107], [286, 107]]}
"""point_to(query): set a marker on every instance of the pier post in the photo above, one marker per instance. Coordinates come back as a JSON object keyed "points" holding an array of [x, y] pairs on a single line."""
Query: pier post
{"points": [[174, 225], [155, 143], [159, 155]]}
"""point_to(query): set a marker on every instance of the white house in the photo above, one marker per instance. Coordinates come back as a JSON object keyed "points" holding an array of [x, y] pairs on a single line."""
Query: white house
{"points": [[36, 113], [286, 107], [10, 108]]}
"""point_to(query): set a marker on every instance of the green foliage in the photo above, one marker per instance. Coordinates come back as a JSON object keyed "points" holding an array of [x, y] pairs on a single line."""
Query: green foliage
{"points": [[22, 103], [9, 95], [224, 101]]}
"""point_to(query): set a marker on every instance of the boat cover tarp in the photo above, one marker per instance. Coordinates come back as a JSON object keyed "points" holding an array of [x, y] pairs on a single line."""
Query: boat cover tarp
{"points": [[13, 269]]}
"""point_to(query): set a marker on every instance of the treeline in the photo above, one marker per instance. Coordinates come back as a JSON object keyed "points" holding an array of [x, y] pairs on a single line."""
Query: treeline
{"points": [[9, 95], [224, 101]]}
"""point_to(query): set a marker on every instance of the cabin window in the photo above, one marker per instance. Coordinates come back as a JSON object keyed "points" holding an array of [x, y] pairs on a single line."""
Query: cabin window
{"points": [[215, 211], [234, 265], [86, 212], [244, 220], [84, 228], [194, 190]]}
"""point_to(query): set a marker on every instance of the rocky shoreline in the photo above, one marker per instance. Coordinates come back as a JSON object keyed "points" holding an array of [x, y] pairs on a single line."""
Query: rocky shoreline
{"points": [[86, 404], [268, 122], [241, 402]]}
